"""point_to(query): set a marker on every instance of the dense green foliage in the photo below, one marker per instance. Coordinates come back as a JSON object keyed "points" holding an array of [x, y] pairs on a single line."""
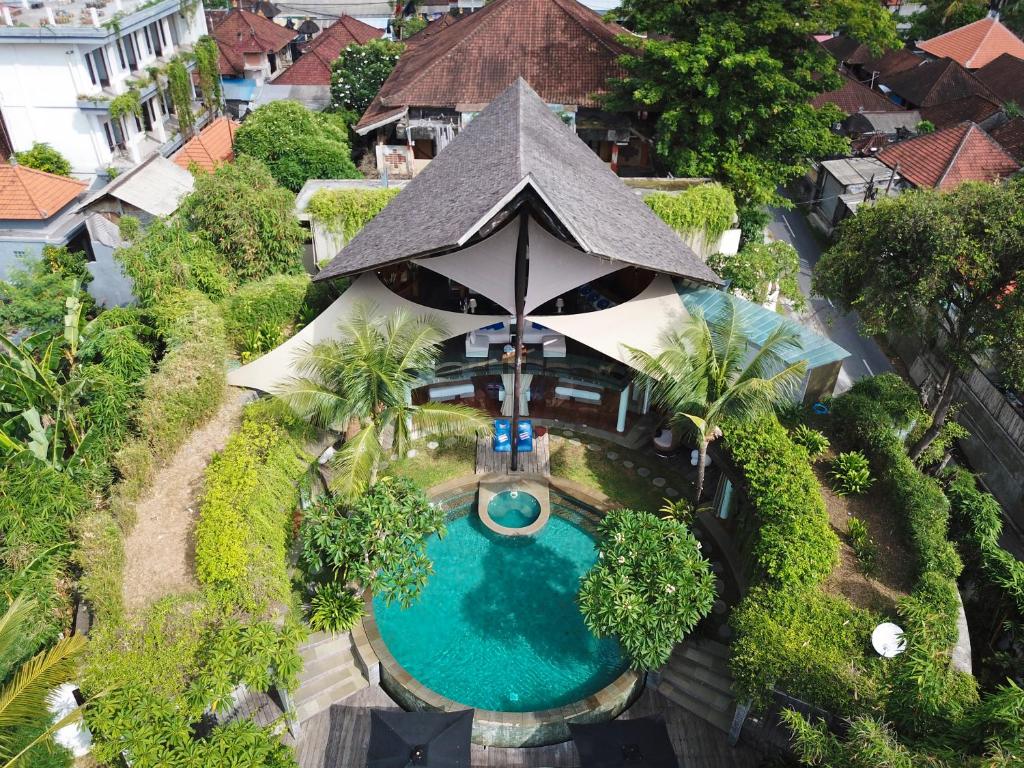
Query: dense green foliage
{"points": [[864, 547], [179, 87], [248, 218], [377, 541], [245, 517], [850, 473], [759, 269], [334, 608], [938, 16], [264, 309], [359, 72], [43, 157], [649, 587], [732, 84], [297, 144], [707, 208], [811, 440], [347, 211], [34, 293], [208, 68]]}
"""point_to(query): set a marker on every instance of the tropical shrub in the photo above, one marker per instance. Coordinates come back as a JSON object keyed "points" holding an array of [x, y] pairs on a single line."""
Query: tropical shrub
{"points": [[864, 547], [297, 144], [347, 211], [34, 293], [759, 268], [812, 440], [378, 541], [269, 305], [707, 208], [359, 72], [43, 157], [334, 608], [851, 473], [649, 587], [248, 218]]}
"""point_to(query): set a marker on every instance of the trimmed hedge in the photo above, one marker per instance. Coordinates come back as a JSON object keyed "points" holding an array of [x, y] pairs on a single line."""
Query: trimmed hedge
{"points": [[272, 303], [795, 545]]}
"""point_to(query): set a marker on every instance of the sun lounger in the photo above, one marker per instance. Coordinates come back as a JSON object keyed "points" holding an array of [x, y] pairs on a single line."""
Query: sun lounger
{"points": [[502, 441]]}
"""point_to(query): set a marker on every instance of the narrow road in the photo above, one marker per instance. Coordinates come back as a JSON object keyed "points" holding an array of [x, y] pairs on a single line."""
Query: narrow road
{"points": [[866, 357]]}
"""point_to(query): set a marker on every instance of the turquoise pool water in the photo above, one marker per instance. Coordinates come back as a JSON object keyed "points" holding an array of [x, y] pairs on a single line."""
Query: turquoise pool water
{"points": [[497, 626], [514, 509]]}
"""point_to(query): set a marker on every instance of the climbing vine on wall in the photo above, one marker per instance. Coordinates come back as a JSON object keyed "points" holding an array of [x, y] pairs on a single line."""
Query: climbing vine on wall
{"points": [[346, 211], [181, 94], [206, 54], [708, 208], [128, 103]]}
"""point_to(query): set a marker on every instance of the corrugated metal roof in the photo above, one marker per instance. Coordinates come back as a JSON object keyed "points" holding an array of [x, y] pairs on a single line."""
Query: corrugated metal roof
{"points": [[760, 322]]}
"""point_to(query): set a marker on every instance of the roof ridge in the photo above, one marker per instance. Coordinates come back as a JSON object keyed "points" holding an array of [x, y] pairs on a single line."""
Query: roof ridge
{"points": [[582, 25], [952, 161]]}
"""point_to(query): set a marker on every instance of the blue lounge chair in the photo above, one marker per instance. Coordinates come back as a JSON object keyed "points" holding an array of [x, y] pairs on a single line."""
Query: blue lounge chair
{"points": [[525, 435], [502, 441]]}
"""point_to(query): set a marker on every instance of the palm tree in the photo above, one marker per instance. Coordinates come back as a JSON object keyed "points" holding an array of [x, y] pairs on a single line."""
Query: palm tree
{"points": [[361, 383], [707, 373], [23, 697]]}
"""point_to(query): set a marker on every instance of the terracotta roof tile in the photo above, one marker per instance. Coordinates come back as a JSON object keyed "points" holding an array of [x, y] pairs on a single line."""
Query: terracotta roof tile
{"points": [[949, 157], [214, 145], [935, 82], [314, 66], [30, 195], [976, 44], [972, 109], [564, 50], [1010, 136], [1005, 77], [853, 97], [846, 50], [433, 28], [241, 32], [891, 62]]}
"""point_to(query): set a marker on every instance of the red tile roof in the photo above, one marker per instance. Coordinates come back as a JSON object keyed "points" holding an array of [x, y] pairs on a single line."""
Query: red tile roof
{"points": [[976, 44], [30, 195], [891, 62], [214, 145], [241, 32], [972, 109], [1005, 77], [1010, 136], [846, 50], [935, 82], [564, 50], [314, 66], [949, 157], [853, 97], [433, 28]]}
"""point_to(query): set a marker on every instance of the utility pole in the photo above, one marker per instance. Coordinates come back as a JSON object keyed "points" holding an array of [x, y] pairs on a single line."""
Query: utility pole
{"points": [[892, 175], [522, 257]]}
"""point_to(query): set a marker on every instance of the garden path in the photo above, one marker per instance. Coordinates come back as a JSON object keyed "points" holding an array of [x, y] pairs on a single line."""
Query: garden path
{"points": [[160, 550]]}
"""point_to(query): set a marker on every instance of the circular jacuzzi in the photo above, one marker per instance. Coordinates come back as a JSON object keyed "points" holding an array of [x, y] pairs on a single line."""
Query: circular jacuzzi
{"points": [[498, 629], [514, 508]]}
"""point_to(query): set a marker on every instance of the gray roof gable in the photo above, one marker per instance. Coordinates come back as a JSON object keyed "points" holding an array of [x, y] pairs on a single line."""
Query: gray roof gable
{"points": [[517, 141]]}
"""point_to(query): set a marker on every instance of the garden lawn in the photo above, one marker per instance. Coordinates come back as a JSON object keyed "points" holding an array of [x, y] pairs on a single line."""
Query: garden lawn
{"points": [[451, 459]]}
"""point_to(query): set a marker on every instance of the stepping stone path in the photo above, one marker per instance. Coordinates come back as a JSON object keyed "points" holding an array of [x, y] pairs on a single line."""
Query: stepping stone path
{"points": [[643, 472], [432, 445], [658, 482], [719, 607], [411, 454], [593, 448], [627, 464], [568, 433], [612, 455], [671, 492]]}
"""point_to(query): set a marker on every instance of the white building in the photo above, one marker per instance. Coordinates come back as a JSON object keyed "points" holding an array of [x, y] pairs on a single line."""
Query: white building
{"points": [[62, 62]]}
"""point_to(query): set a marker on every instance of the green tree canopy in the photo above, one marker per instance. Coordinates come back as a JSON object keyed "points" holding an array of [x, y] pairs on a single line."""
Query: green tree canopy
{"points": [[43, 157], [650, 586], [297, 144], [760, 268], [242, 211], [947, 266], [359, 72], [938, 16], [733, 82]]}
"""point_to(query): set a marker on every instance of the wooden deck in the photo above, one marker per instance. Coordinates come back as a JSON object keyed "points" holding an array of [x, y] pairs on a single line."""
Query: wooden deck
{"points": [[338, 738], [535, 462]]}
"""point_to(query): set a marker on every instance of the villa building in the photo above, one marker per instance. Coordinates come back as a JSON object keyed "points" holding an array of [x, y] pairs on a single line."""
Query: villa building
{"points": [[976, 44], [497, 240], [62, 64], [252, 47]]}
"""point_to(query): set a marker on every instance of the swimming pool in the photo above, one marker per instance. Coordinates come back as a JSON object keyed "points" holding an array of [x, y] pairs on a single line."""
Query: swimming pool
{"points": [[497, 626]]}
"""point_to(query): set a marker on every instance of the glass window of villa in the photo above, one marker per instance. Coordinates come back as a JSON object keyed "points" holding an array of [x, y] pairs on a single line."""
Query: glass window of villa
{"points": [[149, 43], [97, 64]]}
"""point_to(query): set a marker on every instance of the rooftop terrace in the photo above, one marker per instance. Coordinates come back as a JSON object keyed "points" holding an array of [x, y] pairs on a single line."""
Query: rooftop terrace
{"points": [[90, 18]]}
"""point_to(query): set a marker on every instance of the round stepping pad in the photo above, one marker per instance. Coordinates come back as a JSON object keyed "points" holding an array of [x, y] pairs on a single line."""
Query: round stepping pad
{"points": [[659, 482], [719, 607], [671, 492], [432, 445], [612, 455], [643, 472], [724, 632], [627, 464]]}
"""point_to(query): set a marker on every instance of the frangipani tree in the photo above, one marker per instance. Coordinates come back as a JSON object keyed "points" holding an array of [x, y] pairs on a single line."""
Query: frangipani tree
{"points": [[710, 371], [360, 384]]}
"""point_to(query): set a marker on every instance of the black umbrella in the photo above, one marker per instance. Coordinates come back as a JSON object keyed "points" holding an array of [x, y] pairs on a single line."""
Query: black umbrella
{"points": [[639, 743], [412, 739]]}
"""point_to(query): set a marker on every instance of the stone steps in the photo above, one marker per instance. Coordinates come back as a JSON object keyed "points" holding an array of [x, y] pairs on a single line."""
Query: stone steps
{"points": [[697, 678], [329, 674]]}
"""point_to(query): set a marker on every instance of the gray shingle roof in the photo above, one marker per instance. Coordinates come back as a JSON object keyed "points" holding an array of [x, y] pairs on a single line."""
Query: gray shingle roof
{"points": [[518, 140]]}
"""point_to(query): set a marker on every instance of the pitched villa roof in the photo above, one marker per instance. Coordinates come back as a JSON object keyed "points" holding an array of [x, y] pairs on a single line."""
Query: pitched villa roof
{"points": [[949, 157], [562, 48], [241, 32], [214, 145], [853, 97], [30, 195], [935, 82], [974, 109], [976, 44], [1010, 136], [1005, 77], [517, 142], [314, 66]]}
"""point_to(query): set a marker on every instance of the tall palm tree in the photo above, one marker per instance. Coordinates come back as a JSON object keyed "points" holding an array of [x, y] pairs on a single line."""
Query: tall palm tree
{"points": [[23, 697], [360, 383], [708, 372]]}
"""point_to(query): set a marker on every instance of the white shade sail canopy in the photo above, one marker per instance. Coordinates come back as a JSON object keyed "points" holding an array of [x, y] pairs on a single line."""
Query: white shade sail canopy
{"points": [[273, 370], [489, 267], [639, 323]]}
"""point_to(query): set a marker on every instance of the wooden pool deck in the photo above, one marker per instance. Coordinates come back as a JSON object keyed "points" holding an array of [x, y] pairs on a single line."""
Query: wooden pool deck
{"points": [[535, 462], [338, 738]]}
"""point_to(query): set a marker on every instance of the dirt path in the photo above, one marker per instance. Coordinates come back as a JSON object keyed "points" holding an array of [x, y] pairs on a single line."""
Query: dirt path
{"points": [[160, 550]]}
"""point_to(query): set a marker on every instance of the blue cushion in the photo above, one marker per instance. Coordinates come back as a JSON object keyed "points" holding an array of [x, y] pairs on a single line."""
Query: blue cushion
{"points": [[495, 327], [502, 426]]}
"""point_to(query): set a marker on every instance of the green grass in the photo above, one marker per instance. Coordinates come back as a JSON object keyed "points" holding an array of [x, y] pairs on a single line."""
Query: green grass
{"points": [[594, 469], [453, 458]]}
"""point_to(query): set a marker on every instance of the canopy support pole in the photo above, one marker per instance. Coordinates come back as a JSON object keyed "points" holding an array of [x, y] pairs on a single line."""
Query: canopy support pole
{"points": [[522, 255]]}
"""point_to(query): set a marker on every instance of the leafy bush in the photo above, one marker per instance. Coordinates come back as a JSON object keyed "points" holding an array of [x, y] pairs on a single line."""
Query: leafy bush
{"points": [[245, 517], [248, 218], [100, 557], [795, 544], [347, 211], [34, 293], [297, 144], [811, 439], [334, 608], [759, 268], [649, 587], [379, 542], [359, 72], [43, 157], [851, 473], [269, 305], [864, 547], [707, 208]]}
